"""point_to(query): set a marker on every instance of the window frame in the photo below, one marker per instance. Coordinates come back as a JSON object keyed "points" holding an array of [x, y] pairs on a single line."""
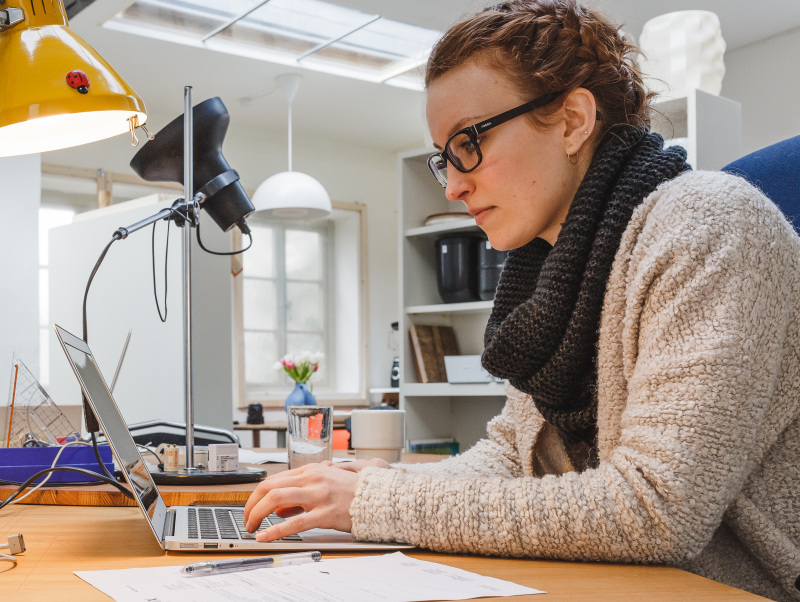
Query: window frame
{"points": [[276, 398]]}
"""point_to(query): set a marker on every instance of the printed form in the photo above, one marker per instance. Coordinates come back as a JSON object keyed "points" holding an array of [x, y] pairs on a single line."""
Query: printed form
{"points": [[388, 578]]}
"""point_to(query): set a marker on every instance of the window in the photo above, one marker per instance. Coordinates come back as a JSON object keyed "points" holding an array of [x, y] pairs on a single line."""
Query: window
{"points": [[286, 289], [300, 290], [49, 217], [309, 33]]}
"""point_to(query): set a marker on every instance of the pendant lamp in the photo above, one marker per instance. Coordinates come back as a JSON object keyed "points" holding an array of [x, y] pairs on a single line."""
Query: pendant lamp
{"points": [[55, 90], [291, 194]]}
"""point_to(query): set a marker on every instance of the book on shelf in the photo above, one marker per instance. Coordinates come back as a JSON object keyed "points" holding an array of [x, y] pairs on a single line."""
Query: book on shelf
{"points": [[446, 446], [430, 343]]}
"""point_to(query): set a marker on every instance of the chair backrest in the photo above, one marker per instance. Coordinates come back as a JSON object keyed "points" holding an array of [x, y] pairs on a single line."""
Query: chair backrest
{"points": [[775, 170], [156, 432]]}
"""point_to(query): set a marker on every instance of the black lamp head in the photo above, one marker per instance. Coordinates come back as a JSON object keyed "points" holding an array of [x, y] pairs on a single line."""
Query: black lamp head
{"points": [[161, 160]]}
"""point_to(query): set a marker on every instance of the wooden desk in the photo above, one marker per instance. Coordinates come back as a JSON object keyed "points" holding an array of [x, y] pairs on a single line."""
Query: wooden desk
{"points": [[174, 495], [62, 539]]}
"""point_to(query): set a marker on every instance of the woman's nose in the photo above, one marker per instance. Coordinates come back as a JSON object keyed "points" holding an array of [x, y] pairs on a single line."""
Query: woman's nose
{"points": [[457, 185]]}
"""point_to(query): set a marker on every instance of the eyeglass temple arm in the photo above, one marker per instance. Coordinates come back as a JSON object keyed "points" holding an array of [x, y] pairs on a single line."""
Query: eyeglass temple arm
{"points": [[516, 112]]}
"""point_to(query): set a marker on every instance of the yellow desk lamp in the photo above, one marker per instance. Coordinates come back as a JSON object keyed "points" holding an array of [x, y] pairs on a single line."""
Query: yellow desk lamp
{"points": [[55, 90]]}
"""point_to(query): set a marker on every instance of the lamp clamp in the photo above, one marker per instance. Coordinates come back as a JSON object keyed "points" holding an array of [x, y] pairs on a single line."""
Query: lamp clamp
{"points": [[9, 17]]}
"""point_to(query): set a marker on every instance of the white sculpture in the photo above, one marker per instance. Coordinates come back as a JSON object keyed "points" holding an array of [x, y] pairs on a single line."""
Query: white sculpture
{"points": [[683, 51]]}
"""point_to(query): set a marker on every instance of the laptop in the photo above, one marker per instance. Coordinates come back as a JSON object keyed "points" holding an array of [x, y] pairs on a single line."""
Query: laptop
{"points": [[187, 528]]}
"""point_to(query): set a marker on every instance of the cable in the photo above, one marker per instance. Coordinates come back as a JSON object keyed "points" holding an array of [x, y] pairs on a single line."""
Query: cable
{"points": [[166, 258], [9, 500], [99, 459], [115, 238], [200, 242], [47, 478], [16, 545], [89, 418], [59, 484]]}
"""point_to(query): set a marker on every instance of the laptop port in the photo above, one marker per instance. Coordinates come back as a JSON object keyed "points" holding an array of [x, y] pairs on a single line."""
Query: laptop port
{"points": [[210, 546]]}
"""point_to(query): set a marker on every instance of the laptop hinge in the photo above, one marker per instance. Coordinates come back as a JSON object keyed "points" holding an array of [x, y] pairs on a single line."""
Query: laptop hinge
{"points": [[169, 524]]}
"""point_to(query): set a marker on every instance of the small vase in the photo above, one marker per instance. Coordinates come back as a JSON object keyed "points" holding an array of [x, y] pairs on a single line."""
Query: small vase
{"points": [[300, 396]]}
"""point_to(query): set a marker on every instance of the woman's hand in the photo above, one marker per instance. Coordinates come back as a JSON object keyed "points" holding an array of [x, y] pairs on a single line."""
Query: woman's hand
{"points": [[358, 465], [321, 490]]}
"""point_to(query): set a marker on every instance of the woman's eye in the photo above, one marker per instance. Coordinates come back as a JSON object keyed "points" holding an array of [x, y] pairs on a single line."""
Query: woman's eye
{"points": [[468, 146]]}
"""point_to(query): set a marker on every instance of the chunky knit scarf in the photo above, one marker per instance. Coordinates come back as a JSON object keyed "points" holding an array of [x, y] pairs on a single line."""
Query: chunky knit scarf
{"points": [[543, 330]]}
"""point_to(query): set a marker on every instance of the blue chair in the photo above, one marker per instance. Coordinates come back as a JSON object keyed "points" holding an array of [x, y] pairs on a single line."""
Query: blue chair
{"points": [[775, 170]]}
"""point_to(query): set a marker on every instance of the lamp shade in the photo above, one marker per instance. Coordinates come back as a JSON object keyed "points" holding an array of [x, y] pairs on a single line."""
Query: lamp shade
{"points": [[292, 195], [55, 90]]}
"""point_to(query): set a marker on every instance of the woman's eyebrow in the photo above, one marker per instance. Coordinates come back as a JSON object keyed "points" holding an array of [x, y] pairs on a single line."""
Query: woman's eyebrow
{"points": [[460, 125]]}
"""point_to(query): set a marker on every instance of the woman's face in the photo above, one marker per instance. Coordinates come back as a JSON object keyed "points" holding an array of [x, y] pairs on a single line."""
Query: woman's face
{"points": [[523, 187]]}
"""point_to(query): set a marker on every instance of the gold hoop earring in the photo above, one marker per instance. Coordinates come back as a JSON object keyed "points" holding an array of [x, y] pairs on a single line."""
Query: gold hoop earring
{"points": [[570, 158]]}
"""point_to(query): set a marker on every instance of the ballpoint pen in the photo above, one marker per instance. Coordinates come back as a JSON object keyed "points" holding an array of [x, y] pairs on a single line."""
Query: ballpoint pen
{"points": [[218, 567]]}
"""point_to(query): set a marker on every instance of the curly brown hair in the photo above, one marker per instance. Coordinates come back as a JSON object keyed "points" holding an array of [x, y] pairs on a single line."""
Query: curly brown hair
{"points": [[546, 46]]}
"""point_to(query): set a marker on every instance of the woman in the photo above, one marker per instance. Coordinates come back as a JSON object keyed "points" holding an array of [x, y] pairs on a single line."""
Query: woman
{"points": [[646, 322]]}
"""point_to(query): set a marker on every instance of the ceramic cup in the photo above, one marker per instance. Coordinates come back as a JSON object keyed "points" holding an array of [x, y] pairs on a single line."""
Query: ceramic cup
{"points": [[378, 434]]}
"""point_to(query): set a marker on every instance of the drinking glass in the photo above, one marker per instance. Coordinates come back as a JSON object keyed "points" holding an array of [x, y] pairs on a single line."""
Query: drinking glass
{"points": [[309, 434]]}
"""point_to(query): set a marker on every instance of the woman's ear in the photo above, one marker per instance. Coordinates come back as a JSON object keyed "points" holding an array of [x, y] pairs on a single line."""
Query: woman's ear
{"points": [[580, 111]]}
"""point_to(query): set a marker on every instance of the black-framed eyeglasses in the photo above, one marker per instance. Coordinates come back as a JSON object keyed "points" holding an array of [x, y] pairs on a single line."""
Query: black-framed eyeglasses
{"points": [[462, 150]]}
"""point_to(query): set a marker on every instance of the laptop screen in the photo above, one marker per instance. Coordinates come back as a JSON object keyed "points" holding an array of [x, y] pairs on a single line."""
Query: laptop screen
{"points": [[115, 429]]}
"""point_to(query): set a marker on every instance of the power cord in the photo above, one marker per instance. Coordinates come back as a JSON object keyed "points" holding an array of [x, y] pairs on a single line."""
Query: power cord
{"points": [[47, 478], [202, 246], [105, 478], [15, 544], [166, 263]]}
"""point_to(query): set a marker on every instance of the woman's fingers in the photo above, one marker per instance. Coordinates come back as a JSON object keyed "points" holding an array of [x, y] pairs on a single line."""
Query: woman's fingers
{"points": [[324, 492], [284, 497], [287, 478], [287, 512]]}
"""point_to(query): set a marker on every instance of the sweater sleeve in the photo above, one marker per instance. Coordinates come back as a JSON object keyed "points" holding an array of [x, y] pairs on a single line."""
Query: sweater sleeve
{"points": [[494, 456], [699, 347]]}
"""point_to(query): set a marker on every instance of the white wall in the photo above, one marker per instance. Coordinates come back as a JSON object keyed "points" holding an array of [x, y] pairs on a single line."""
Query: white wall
{"points": [[151, 383], [350, 173], [765, 78], [19, 263]]}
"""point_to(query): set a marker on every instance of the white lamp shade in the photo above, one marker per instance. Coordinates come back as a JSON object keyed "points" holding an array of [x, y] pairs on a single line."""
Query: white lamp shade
{"points": [[292, 195]]}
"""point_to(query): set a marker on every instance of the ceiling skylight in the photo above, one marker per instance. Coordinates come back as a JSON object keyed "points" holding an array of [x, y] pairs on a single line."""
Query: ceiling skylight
{"points": [[306, 33]]}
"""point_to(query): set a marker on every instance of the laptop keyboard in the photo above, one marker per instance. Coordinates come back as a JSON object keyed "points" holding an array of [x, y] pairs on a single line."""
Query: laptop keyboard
{"points": [[227, 523]]}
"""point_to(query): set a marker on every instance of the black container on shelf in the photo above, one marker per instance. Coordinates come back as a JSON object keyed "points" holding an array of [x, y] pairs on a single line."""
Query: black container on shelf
{"points": [[457, 268], [490, 266]]}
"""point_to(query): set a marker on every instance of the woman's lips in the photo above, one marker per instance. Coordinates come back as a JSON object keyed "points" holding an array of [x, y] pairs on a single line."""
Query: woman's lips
{"points": [[481, 214]]}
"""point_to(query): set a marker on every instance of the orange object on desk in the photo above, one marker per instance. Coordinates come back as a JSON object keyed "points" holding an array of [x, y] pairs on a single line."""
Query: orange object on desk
{"points": [[341, 438]]}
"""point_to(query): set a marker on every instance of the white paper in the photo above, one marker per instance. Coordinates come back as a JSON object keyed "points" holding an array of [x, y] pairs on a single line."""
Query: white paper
{"points": [[388, 578], [248, 456]]}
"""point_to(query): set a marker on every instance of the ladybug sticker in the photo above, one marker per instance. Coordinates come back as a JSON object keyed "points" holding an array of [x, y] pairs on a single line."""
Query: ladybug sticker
{"points": [[77, 79]]}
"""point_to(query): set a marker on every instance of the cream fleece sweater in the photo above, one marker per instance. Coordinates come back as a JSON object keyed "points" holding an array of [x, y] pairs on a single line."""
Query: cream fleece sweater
{"points": [[698, 415]]}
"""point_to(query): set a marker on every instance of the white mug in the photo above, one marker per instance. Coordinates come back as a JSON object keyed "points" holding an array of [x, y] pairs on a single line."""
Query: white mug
{"points": [[378, 434]]}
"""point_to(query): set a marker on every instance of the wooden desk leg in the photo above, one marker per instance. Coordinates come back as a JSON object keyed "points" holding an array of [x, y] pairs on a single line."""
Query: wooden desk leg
{"points": [[281, 438], [256, 438]]}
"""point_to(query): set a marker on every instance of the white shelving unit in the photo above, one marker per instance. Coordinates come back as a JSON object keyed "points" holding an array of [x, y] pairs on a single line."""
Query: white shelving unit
{"points": [[710, 128], [437, 409]]}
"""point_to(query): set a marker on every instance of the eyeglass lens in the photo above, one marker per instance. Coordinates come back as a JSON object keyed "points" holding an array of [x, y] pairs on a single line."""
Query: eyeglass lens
{"points": [[438, 166], [462, 151]]}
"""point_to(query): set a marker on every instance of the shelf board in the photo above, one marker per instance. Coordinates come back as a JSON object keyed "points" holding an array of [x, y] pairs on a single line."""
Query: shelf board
{"points": [[459, 225], [471, 307], [452, 390]]}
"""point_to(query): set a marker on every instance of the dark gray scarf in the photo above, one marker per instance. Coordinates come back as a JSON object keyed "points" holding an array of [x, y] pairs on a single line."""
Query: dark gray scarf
{"points": [[543, 330]]}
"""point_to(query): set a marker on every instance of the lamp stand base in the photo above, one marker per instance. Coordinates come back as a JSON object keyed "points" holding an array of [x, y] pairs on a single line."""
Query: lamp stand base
{"points": [[204, 477]]}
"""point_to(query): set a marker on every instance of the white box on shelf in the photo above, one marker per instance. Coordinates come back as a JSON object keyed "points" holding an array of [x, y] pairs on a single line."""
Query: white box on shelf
{"points": [[466, 369]]}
